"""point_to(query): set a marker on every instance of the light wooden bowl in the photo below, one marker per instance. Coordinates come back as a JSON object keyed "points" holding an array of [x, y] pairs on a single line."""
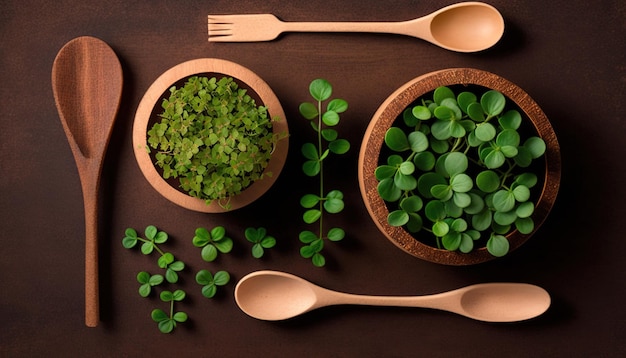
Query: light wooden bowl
{"points": [[150, 106], [393, 107]]}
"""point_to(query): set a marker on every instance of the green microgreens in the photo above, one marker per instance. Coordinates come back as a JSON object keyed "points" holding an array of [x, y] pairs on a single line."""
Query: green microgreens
{"points": [[154, 237], [260, 239], [210, 282], [212, 242], [462, 169], [327, 142], [167, 322], [214, 138]]}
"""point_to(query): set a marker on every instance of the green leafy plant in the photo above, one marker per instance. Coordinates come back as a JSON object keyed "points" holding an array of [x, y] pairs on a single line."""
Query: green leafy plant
{"points": [[210, 282], [260, 239], [148, 281], [151, 243], [322, 121], [459, 169], [167, 322], [212, 242], [212, 137]]}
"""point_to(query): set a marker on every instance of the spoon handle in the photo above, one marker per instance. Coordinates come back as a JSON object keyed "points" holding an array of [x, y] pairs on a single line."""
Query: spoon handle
{"points": [[396, 27], [90, 185]]}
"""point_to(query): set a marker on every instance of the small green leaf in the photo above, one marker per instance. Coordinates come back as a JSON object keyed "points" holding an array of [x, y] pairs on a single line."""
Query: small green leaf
{"points": [[180, 317], [339, 146], [485, 131], [318, 260], [418, 141], [337, 105], [536, 146], [498, 245], [424, 161], [442, 93], [412, 203], [336, 234], [308, 201], [307, 237], [320, 89], [440, 228], [451, 241], [397, 140], [309, 151], [158, 315], [151, 232], [455, 163], [383, 172], [464, 99], [511, 119], [308, 110], [493, 102], [525, 225], [388, 190], [525, 210], [435, 210], [209, 253], [421, 112], [398, 218], [488, 181], [461, 183], [504, 200], [330, 118], [311, 167], [404, 182], [311, 216]]}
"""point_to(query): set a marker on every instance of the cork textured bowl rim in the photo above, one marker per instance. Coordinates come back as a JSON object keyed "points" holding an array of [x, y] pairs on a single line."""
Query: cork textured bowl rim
{"points": [[389, 111], [153, 97]]}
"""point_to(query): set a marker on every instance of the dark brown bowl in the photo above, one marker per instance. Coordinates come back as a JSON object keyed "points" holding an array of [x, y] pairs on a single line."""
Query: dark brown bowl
{"points": [[393, 107], [257, 88]]}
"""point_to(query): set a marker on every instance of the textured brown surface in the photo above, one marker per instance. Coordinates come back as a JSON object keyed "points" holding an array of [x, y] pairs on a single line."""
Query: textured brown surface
{"points": [[567, 55]]}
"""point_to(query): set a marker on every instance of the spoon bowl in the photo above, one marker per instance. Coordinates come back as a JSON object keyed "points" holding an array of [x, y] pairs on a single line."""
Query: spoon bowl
{"points": [[465, 27], [274, 295]]}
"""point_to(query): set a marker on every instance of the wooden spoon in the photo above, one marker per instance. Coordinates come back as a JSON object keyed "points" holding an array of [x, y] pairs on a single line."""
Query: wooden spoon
{"points": [[87, 86], [272, 295]]}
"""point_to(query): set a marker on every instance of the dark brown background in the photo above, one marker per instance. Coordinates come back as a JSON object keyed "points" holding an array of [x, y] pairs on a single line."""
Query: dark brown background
{"points": [[568, 55]]}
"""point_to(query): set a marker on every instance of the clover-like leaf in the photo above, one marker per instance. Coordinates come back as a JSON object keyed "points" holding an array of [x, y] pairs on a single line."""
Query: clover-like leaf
{"points": [[130, 238], [337, 105]]}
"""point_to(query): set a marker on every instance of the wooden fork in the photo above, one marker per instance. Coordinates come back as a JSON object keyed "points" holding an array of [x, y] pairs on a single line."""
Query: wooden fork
{"points": [[267, 27]]}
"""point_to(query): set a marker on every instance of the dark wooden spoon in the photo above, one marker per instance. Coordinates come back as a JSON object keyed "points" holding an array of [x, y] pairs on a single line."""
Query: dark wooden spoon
{"points": [[87, 86]]}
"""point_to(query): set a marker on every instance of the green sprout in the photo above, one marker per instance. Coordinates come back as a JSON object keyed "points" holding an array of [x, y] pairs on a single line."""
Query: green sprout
{"points": [[331, 202], [212, 242], [457, 169], [210, 282], [151, 243], [260, 239], [167, 322]]}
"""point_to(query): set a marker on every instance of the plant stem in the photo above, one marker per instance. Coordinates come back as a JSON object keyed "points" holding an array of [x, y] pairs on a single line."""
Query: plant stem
{"points": [[319, 153]]}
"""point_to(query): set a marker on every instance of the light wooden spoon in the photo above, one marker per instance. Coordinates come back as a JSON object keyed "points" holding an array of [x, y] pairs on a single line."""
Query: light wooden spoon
{"points": [[87, 86], [273, 295]]}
